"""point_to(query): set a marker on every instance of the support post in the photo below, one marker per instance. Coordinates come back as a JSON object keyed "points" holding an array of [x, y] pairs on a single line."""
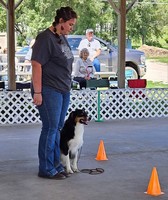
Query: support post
{"points": [[98, 107], [121, 43], [11, 45]]}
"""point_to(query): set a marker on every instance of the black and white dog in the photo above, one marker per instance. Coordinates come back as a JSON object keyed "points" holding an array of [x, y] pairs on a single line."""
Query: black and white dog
{"points": [[71, 139]]}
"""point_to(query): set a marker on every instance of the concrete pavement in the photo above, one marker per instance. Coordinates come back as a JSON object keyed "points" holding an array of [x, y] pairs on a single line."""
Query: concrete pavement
{"points": [[133, 148], [156, 71]]}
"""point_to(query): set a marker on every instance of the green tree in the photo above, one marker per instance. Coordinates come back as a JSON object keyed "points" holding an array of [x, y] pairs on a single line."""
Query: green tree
{"points": [[143, 21], [88, 15], [33, 17], [3, 18]]}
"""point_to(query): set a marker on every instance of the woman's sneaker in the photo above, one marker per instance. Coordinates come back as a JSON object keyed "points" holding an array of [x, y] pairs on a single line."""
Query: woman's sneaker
{"points": [[65, 174], [58, 176]]}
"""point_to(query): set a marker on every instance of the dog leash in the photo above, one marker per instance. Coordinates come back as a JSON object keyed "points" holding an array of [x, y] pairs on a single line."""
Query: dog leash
{"points": [[92, 171]]}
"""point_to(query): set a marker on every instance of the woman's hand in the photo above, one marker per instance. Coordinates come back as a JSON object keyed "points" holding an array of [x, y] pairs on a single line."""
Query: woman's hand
{"points": [[37, 99], [87, 77]]}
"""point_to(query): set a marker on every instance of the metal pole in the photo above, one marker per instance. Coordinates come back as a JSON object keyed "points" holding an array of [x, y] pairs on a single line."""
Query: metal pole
{"points": [[98, 107]]}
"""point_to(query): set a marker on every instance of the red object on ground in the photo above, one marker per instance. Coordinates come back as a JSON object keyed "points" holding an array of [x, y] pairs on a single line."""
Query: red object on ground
{"points": [[137, 83]]}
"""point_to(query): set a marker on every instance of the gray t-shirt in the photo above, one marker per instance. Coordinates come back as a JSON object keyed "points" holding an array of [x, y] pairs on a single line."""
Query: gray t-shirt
{"points": [[56, 58]]}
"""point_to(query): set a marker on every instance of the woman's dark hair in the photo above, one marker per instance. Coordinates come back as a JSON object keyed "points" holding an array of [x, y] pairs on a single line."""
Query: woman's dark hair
{"points": [[66, 13]]}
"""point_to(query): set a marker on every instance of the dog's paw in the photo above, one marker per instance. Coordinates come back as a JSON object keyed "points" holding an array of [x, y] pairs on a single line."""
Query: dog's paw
{"points": [[75, 170], [69, 171]]}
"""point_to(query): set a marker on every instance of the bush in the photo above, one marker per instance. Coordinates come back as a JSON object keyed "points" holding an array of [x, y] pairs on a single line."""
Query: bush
{"points": [[166, 40], [153, 43]]}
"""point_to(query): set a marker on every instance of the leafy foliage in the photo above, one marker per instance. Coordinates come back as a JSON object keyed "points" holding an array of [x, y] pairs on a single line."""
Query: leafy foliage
{"points": [[3, 19], [145, 22]]}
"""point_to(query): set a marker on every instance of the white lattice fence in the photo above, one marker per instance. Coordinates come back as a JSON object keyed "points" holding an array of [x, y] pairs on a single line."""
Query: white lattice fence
{"points": [[17, 107]]}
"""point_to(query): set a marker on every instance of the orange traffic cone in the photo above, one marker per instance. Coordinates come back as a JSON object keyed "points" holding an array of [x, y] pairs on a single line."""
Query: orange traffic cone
{"points": [[101, 154], [154, 185]]}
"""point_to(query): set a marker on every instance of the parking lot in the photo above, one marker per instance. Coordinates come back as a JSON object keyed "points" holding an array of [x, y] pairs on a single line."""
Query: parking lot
{"points": [[133, 147]]}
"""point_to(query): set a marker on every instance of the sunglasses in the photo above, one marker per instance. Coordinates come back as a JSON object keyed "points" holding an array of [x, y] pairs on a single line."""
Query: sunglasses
{"points": [[89, 44]]}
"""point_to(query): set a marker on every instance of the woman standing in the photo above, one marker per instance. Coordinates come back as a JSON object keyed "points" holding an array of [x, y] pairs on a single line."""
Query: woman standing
{"points": [[51, 83]]}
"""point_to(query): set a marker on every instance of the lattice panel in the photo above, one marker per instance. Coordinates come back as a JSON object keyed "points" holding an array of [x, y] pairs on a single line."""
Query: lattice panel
{"points": [[84, 99], [134, 103], [17, 107]]}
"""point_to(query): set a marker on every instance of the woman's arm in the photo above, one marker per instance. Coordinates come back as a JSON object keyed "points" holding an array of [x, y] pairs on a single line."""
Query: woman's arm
{"points": [[76, 68], [97, 53], [37, 82]]}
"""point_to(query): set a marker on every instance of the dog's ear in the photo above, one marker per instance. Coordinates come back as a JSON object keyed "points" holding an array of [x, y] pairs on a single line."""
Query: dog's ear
{"points": [[72, 116], [79, 110]]}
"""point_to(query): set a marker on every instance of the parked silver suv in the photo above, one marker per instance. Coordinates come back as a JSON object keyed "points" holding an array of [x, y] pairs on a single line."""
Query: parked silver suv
{"points": [[135, 60]]}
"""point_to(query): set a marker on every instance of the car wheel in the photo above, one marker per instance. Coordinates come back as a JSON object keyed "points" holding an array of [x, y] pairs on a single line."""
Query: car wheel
{"points": [[130, 73]]}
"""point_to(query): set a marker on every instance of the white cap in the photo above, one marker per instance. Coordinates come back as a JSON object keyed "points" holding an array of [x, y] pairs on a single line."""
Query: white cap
{"points": [[89, 30]]}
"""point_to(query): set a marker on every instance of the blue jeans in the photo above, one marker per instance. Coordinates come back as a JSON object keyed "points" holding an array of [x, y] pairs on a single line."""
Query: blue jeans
{"points": [[52, 113], [96, 64]]}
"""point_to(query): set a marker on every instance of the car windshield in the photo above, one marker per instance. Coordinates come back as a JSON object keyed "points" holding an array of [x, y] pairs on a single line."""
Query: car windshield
{"points": [[74, 43]]}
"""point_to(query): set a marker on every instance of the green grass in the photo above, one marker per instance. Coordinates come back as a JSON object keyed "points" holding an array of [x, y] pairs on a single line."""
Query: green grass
{"points": [[160, 59], [151, 84]]}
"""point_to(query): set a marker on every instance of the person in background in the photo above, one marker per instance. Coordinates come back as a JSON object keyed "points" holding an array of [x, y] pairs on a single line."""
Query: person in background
{"points": [[28, 55], [1, 66], [93, 47], [51, 84], [4, 67], [84, 69]]}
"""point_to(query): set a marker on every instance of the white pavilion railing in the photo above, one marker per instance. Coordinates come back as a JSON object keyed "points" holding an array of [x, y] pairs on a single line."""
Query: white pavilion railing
{"points": [[16, 106]]}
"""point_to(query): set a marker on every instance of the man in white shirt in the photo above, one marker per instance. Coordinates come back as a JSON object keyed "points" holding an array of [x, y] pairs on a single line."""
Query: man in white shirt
{"points": [[93, 47]]}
